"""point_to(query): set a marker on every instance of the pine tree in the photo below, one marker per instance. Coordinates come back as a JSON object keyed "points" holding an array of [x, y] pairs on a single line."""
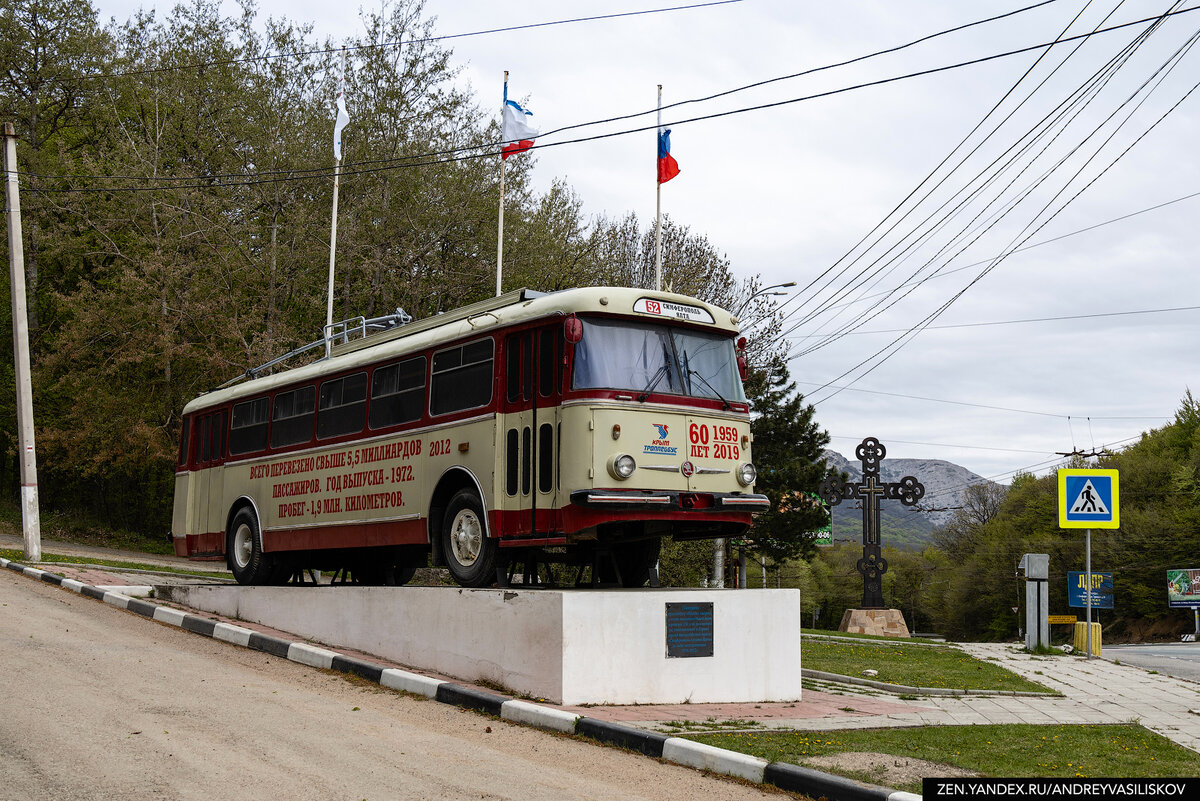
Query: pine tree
{"points": [[787, 452]]}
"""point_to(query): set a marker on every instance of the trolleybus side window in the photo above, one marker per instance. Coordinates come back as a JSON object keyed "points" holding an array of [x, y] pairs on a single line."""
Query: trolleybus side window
{"points": [[217, 452], [343, 408], [549, 348], [292, 417], [202, 456], [249, 430], [398, 393], [184, 432], [519, 358], [461, 377]]}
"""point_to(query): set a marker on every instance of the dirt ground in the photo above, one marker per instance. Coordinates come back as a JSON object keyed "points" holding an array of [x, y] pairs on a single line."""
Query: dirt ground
{"points": [[104, 704], [885, 769]]}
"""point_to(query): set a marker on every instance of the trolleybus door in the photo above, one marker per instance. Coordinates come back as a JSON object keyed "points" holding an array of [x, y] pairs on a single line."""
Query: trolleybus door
{"points": [[210, 433], [533, 392]]}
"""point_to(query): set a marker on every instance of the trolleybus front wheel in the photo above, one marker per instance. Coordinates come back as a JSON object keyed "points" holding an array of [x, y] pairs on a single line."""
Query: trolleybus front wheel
{"points": [[246, 558], [470, 553]]}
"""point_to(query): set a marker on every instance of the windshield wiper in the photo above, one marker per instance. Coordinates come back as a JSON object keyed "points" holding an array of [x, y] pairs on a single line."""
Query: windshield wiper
{"points": [[654, 379], [696, 373]]}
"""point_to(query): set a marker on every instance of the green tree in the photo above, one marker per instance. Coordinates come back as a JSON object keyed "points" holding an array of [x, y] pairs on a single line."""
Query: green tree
{"points": [[787, 453]]}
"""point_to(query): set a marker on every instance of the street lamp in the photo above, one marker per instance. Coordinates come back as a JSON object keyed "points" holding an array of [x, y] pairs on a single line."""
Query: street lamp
{"points": [[764, 291]]}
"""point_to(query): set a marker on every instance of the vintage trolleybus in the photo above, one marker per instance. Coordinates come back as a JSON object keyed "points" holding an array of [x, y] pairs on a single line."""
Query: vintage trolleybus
{"points": [[588, 423]]}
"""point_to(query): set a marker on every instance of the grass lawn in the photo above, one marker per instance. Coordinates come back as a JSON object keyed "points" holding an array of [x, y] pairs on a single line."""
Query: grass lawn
{"points": [[1002, 751], [912, 665]]}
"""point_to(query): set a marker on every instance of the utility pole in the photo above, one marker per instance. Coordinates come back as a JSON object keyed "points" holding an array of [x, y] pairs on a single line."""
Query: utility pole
{"points": [[30, 521]]}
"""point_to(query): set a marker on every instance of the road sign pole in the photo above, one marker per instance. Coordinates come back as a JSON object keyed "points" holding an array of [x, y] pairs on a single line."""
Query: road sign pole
{"points": [[1088, 549], [1196, 615]]}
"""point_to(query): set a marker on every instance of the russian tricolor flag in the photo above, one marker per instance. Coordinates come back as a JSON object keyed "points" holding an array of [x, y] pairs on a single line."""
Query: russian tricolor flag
{"points": [[516, 134], [668, 168]]}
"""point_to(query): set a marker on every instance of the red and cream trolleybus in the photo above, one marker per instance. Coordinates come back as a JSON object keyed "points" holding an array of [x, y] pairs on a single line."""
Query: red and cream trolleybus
{"points": [[589, 423]]}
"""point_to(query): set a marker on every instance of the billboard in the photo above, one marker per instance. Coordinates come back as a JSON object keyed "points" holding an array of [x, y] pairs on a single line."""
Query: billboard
{"points": [[1101, 589], [1183, 587]]}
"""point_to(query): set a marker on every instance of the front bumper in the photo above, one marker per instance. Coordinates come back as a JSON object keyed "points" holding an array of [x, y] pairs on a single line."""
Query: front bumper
{"points": [[672, 500]]}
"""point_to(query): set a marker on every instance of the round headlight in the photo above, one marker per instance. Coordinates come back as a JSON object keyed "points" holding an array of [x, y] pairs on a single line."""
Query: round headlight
{"points": [[746, 474], [621, 466]]}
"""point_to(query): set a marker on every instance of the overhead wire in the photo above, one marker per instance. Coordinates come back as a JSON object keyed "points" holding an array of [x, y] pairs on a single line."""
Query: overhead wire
{"points": [[491, 150], [1033, 228], [1078, 100], [324, 171], [828, 273], [401, 43], [1060, 237], [1059, 318]]}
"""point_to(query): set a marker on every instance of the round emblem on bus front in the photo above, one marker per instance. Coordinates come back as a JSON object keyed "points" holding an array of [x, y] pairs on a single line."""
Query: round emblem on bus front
{"points": [[687, 468]]}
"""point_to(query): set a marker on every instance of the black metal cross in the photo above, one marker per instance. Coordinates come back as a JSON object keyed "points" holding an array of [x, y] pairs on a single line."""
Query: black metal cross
{"points": [[871, 491]]}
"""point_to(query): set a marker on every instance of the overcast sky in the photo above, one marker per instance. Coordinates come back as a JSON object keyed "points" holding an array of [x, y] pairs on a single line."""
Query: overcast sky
{"points": [[787, 191]]}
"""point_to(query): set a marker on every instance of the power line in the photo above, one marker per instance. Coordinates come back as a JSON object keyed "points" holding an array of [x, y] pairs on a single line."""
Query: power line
{"points": [[979, 405], [902, 340], [945, 273], [324, 171], [407, 42], [212, 182], [946, 445], [1016, 322], [894, 225], [1055, 118]]}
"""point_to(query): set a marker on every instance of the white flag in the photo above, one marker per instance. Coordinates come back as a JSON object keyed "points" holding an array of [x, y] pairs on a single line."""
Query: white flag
{"points": [[342, 118]]}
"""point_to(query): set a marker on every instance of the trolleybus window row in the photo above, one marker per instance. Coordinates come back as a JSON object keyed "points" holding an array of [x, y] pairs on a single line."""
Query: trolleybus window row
{"points": [[461, 379]]}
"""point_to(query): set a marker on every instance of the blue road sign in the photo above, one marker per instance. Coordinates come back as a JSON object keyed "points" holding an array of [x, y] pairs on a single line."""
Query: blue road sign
{"points": [[1088, 499]]}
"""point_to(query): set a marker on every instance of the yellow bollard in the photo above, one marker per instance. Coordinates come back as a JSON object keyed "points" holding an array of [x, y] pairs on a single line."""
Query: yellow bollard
{"points": [[1081, 638]]}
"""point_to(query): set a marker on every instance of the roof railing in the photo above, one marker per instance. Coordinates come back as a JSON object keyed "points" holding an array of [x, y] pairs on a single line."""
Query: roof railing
{"points": [[338, 333]]}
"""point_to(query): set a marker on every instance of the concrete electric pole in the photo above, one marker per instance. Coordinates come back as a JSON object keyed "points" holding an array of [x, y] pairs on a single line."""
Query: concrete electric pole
{"points": [[30, 521]]}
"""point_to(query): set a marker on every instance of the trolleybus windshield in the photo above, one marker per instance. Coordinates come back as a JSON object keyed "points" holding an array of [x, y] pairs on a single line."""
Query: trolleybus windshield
{"points": [[645, 358]]}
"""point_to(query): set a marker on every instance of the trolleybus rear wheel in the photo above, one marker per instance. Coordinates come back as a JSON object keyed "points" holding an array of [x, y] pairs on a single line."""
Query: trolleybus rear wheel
{"points": [[246, 558], [470, 553]]}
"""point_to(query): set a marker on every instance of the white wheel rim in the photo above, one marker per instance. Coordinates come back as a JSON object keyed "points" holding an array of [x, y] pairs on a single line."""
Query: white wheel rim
{"points": [[243, 545], [466, 537]]}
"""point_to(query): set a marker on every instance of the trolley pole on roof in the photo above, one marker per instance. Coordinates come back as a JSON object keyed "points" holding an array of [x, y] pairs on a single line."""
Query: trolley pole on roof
{"points": [[30, 521]]}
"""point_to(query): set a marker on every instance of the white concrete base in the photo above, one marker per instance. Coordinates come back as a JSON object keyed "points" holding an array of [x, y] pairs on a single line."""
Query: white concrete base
{"points": [[567, 647]]}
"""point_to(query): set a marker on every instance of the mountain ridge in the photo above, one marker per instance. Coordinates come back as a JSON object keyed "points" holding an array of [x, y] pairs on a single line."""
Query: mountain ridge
{"points": [[902, 526]]}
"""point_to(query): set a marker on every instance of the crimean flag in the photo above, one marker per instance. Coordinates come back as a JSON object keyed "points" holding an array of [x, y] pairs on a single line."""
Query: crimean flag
{"points": [[668, 168], [516, 134]]}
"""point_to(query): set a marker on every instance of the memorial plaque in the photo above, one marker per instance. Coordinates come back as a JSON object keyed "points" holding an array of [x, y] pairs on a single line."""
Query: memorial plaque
{"points": [[689, 629]]}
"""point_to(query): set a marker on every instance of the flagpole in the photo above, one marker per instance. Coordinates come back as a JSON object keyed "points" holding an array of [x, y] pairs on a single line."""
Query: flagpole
{"points": [[658, 203], [337, 172], [500, 223]]}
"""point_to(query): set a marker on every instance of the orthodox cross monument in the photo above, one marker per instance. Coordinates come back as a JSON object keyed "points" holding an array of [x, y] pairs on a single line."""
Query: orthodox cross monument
{"points": [[872, 617]]}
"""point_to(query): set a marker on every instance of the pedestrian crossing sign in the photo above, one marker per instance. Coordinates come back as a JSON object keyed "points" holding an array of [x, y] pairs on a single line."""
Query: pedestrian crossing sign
{"points": [[1088, 499]]}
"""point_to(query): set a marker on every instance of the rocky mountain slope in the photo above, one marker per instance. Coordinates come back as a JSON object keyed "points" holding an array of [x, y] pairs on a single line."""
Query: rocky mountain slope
{"points": [[903, 526]]}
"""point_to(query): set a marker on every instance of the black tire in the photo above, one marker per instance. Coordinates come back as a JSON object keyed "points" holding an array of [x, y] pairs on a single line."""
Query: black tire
{"points": [[634, 561], [470, 553], [243, 551]]}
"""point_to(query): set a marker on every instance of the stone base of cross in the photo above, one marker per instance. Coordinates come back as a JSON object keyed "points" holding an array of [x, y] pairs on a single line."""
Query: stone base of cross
{"points": [[871, 491]]}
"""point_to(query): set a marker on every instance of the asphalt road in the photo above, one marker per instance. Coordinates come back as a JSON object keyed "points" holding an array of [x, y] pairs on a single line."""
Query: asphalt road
{"points": [[1180, 660], [103, 704]]}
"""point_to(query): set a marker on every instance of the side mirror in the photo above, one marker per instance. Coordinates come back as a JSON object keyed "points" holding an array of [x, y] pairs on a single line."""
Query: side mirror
{"points": [[573, 330]]}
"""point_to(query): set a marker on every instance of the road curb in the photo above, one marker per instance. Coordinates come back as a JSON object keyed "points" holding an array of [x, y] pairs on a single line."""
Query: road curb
{"points": [[676, 750], [903, 688]]}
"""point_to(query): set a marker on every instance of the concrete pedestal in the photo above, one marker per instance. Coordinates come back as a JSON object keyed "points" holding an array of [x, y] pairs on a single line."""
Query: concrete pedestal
{"points": [[568, 647], [882, 622]]}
